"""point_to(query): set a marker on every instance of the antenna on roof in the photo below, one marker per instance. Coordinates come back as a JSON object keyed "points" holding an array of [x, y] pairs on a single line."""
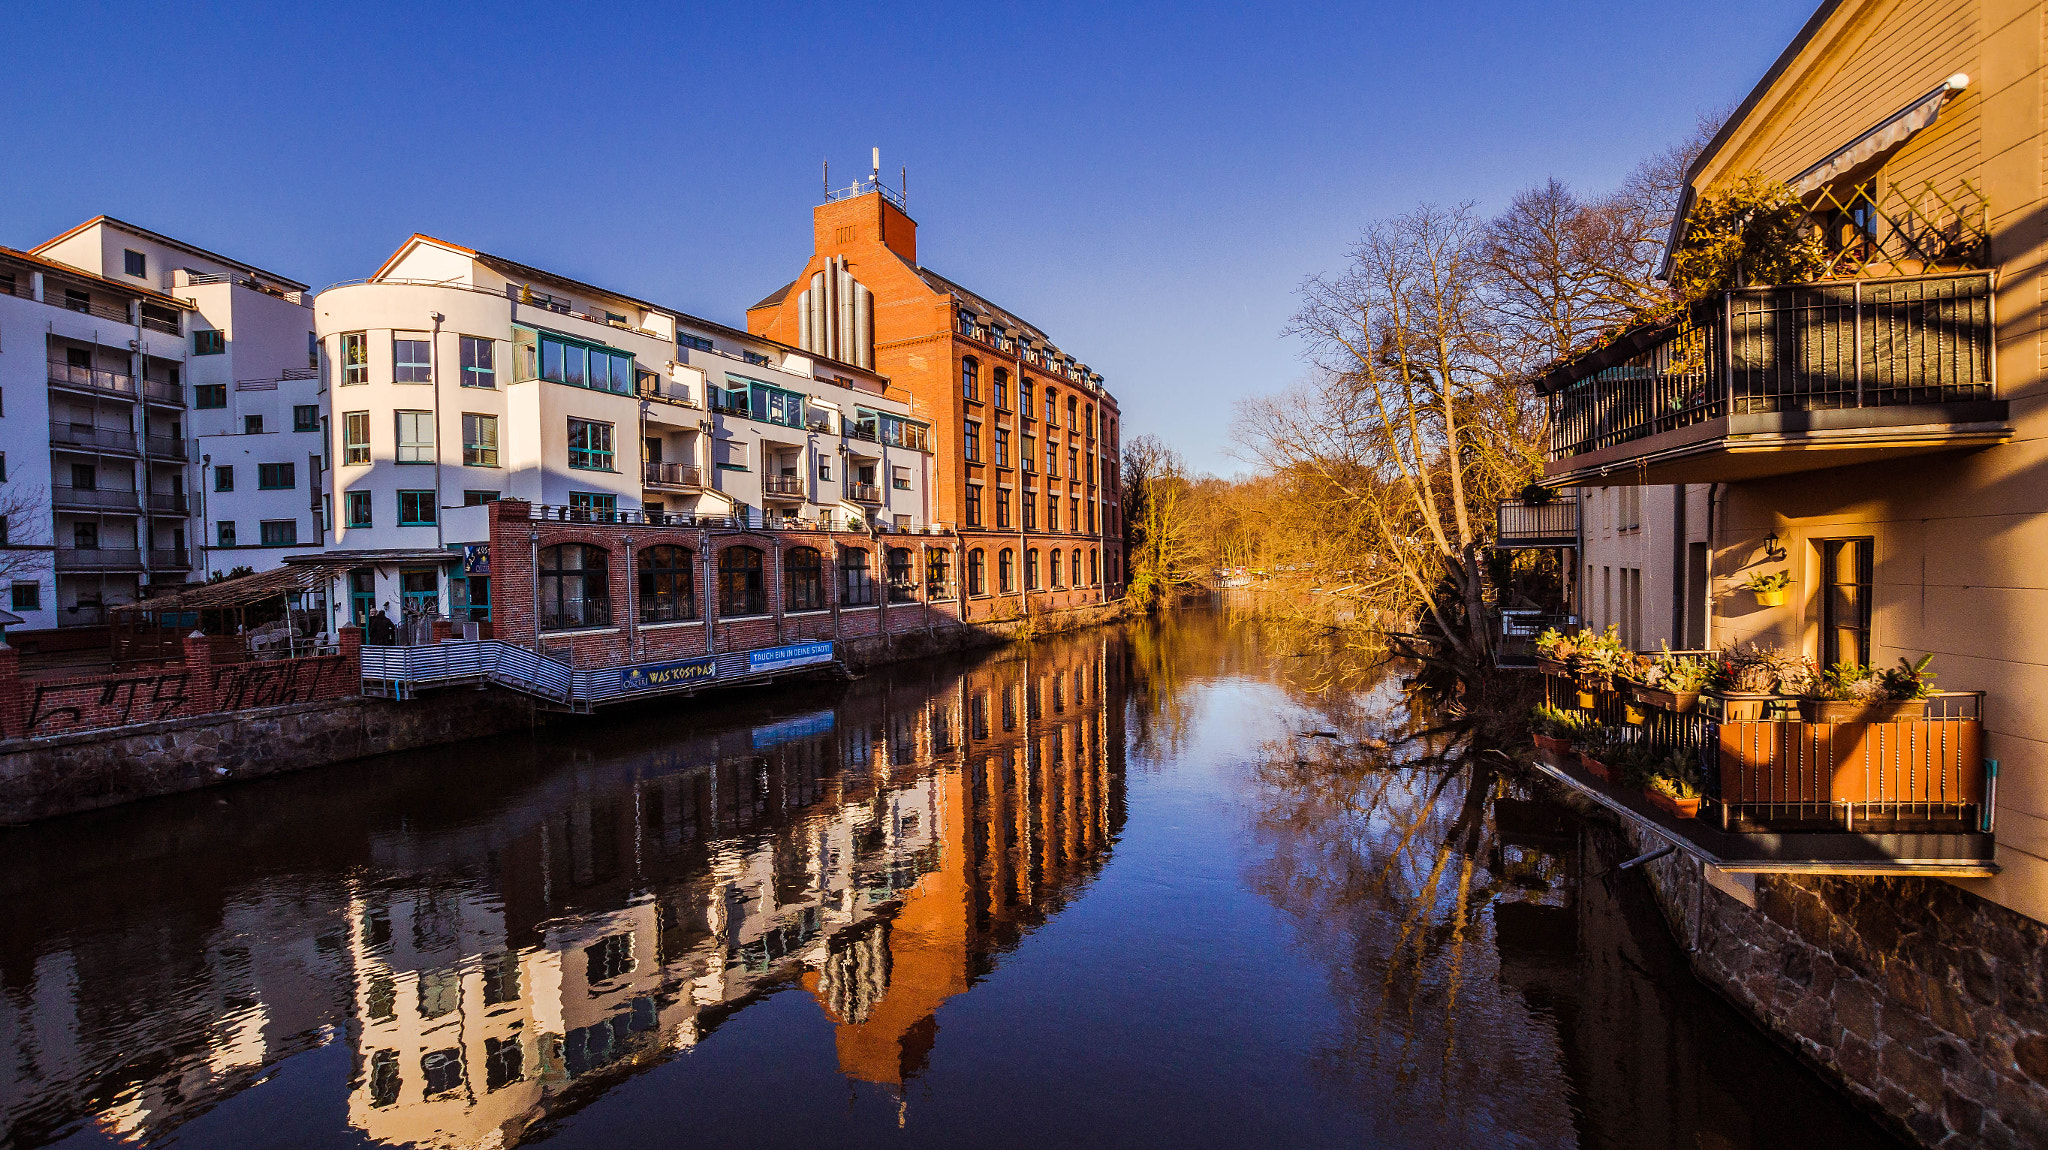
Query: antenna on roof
{"points": [[828, 177], [906, 187]]}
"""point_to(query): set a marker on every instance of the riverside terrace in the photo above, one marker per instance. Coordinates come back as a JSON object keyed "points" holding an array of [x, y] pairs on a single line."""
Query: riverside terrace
{"points": [[592, 607]]}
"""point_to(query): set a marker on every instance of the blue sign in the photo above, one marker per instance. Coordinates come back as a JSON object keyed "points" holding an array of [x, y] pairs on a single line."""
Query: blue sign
{"points": [[476, 559], [794, 655], [653, 676], [788, 730]]}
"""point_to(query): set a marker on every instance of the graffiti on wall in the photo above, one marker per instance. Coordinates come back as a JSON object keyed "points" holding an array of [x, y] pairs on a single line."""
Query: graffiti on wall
{"points": [[275, 683], [113, 702]]}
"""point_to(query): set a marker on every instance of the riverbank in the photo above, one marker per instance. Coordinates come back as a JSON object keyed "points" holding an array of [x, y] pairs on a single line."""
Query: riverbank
{"points": [[48, 776], [1921, 1000]]}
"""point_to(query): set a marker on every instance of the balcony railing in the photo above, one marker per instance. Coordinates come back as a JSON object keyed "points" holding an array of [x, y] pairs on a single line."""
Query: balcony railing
{"points": [[1521, 524], [785, 485], [95, 438], [169, 502], [657, 474], [98, 559], [162, 319], [92, 379], [863, 493], [167, 447], [1840, 346], [97, 498], [169, 559], [163, 391], [55, 294]]}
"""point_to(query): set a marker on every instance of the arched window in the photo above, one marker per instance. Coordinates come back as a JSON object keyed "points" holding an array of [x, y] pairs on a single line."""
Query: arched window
{"points": [[970, 378], [938, 573], [575, 589], [1030, 568], [977, 572], [668, 584], [1052, 407], [1074, 412], [803, 579], [1006, 573], [1055, 565], [856, 582], [901, 587], [1089, 415], [1001, 380], [740, 590], [1094, 571], [1074, 562]]}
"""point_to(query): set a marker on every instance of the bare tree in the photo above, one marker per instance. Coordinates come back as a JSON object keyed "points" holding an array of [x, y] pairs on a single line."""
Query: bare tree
{"points": [[24, 529]]}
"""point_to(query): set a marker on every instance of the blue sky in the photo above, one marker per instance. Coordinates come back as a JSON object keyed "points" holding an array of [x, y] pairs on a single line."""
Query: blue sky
{"points": [[1146, 183]]}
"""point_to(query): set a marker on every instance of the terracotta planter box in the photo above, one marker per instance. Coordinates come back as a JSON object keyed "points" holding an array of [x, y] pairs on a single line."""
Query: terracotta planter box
{"points": [[1677, 702], [1676, 808], [1598, 768], [1858, 711], [1554, 745]]}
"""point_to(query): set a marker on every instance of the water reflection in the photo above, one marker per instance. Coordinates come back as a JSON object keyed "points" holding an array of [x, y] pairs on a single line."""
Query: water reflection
{"points": [[878, 849]]}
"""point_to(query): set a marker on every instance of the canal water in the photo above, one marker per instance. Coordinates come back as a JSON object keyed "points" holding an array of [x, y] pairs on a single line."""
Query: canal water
{"points": [[1186, 884]]}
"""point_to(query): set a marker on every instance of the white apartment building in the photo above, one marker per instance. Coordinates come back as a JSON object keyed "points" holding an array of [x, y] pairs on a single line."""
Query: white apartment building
{"points": [[455, 378], [246, 363]]}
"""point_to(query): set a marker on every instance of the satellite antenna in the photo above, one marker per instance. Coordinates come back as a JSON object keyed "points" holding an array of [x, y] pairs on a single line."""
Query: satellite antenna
{"points": [[877, 176]]}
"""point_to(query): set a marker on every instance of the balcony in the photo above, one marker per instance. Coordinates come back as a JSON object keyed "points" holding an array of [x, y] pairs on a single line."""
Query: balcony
{"points": [[98, 559], [1520, 525], [864, 493], [169, 559], [1773, 381], [96, 439], [168, 503], [95, 498], [163, 391], [99, 381], [782, 487], [167, 447], [682, 475]]}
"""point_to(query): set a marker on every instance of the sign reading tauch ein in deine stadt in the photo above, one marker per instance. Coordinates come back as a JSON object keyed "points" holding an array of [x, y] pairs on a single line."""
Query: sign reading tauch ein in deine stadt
{"points": [[650, 676], [794, 655]]}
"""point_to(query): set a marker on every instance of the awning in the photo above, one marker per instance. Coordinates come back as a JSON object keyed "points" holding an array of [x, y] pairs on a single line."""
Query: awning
{"points": [[1889, 133], [243, 591]]}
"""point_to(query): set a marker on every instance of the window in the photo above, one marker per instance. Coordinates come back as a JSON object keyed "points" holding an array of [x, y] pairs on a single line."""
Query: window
{"points": [[970, 379], [312, 350], [1002, 509], [574, 587], [75, 300], [356, 505], [252, 425], [902, 588], [938, 573], [355, 437], [586, 365], [209, 341], [224, 478], [355, 357], [479, 361], [1054, 569], [740, 590], [1005, 574], [1002, 447], [1074, 513], [1029, 502], [977, 581], [224, 533], [306, 417], [1052, 460], [28, 597], [1094, 574], [280, 532], [694, 342], [415, 436], [824, 467], [668, 584], [1845, 605], [755, 358], [856, 582], [85, 536], [590, 445], [598, 505], [899, 478], [479, 498], [729, 454], [970, 441], [210, 395], [411, 360], [276, 476], [803, 579], [1052, 513], [973, 506], [1073, 412], [85, 477], [1030, 569], [479, 440], [1029, 455], [415, 509], [1002, 389], [1052, 408], [1089, 417], [504, 1062], [135, 264], [1073, 463]]}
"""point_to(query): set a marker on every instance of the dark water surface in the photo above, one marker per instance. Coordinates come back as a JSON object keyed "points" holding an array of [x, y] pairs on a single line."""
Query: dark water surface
{"points": [[1101, 891]]}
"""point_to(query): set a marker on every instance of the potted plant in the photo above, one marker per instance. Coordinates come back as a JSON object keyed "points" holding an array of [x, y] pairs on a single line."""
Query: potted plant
{"points": [[1771, 589], [1673, 682], [1745, 681], [1555, 728], [1554, 650], [1600, 752], [1674, 787], [1852, 693]]}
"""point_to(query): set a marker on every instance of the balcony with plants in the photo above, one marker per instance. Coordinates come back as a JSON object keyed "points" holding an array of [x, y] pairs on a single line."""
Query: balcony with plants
{"points": [[1756, 759]]}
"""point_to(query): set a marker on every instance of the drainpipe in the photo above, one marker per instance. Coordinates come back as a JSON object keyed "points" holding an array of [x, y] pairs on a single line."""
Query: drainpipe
{"points": [[434, 371], [1713, 552], [1679, 590]]}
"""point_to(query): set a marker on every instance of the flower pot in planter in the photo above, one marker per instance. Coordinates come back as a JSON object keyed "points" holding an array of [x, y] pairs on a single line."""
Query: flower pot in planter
{"points": [[1772, 598], [1554, 745], [1677, 702], [1745, 708], [1598, 768], [1553, 667], [1634, 712], [1860, 710], [1676, 808], [1588, 699]]}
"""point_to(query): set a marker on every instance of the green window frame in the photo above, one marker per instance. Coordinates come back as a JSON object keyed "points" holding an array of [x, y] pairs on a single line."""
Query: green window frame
{"points": [[479, 440], [582, 363], [416, 509], [224, 477], [479, 361], [590, 445], [355, 437], [276, 476], [224, 533], [693, 342], [355, 357], [306, 417], [762, 401], [479, 498], [357, 506], [279, 532], [208, 396], [209, 341], [412, 360]]}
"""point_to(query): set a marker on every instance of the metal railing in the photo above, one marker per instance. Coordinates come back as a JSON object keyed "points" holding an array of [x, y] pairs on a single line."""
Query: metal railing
{"points": [[97, 438], [97, 498], [167, 322], [163, 391], [855, 431], [667, 395], [92, 378], [55, 294], [169, 559], [166, 447], [202, 279], [787, 485], [1917, 774], [592, 613], [1805, 347], [169, 502], [98, 559], [1517, 521], [864, 493], [754, 519], [657, 474]]}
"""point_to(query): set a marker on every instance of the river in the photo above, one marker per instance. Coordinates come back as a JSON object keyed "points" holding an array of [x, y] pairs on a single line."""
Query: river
{"points": [[1177, 884]]}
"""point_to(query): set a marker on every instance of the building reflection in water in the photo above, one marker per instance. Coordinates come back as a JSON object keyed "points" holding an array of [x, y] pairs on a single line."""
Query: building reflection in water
{"points": [[878, 850]]}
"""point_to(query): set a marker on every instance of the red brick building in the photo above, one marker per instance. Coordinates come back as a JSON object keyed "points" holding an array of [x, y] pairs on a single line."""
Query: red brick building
{"points": [[1027, 438]]}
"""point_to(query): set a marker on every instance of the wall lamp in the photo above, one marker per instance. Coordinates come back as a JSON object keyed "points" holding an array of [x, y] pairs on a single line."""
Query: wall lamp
{"points": [[1774, 549]]}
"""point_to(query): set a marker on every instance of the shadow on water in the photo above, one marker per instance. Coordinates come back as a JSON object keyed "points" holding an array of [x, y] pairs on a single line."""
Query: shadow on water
{"points": [[934, 907]]}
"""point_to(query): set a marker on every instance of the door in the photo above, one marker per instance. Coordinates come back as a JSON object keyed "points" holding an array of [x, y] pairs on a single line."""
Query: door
{"points": [[1696, 596], [362, 595], [1846, 568]]}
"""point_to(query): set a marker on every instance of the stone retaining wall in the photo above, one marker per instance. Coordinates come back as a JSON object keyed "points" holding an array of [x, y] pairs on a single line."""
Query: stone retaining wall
{"points": [[1919, 998]]}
